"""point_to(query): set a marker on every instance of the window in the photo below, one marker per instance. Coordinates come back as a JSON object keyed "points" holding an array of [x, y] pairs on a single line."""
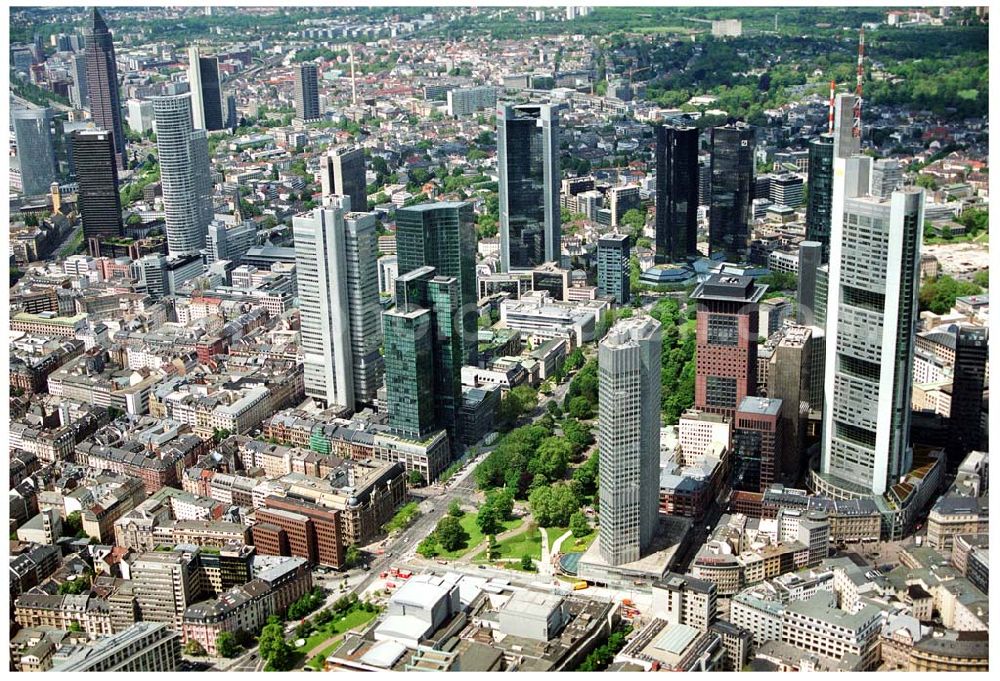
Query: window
{"points": [[723, 330]]}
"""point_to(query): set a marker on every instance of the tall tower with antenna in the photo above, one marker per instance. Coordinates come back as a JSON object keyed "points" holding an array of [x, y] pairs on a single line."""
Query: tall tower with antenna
{"points": [[833, 91], [856, 128]]}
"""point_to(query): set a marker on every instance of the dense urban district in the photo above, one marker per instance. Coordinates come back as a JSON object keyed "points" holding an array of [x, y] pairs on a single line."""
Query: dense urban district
{"points": [[499, 339]]}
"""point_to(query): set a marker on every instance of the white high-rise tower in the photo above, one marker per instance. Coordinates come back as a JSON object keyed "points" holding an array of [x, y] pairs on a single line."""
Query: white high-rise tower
{"points": [[629, 438], [335, 260]]}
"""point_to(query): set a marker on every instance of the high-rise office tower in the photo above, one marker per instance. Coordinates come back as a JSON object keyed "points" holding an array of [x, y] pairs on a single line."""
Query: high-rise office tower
{"points": [[791, 379], [613, 255], [307, 92], [36, 156], [818, 204], [969, 378], [335, 266], [98, 199], [629, 438], [342, 171], [704, 180], [78, 69], [206, 90], [757, 441], [810, 258], [676, 193], [732, 190], [423, 354], [887, 177], [726, 342], [185, 174], [232, 115], [871, 317], [528, 162], [102, 82], [443, 236]]}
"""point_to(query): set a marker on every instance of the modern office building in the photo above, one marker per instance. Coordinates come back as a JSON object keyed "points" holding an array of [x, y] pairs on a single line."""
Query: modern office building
{"points": [[206, 91], [342, 172], [613, 255], [443, 236], [810, 259], [820, 182], [968, 380], [36, 155], [185, 174], [795, 374], [629, 438], [757, 442], [676, 193], [140, 115], [98, 199], [143, 647], [307, 92], [424, 352], [887, 177], [468, 100], [786, 190], [528, 164], [229, 242], [165, 584], [732, 190], [102, 82], [726, 342], [871, 315], [78, 71], [335, 260]]}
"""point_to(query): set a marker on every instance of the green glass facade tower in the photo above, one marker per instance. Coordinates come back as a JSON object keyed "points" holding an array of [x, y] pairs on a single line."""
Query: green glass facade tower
{"points": [[443, 236], [424, 354]]}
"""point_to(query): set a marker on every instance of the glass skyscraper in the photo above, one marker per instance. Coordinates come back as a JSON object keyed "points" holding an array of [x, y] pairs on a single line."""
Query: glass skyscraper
{"points": [[102, 82], [35, 149], [528, 162], [732, 190], [676, 193], [613, 254], [206, 90], [342, 171], [97, 177], [307, 92], [423, 354], [443, 236], [820, 199], [185, 174]]}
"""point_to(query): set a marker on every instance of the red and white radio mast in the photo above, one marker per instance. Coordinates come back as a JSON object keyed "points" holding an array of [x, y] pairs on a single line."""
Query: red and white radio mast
{"points": [[856, 128]]}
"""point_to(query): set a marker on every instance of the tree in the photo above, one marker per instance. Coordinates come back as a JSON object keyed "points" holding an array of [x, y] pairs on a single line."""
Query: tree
{"points": [[578, 525], [75, 587], [282, 657], [527, 563], [450, 534], [416, 478], [586, 476], [73, 525], [195, 649], [488, 520], [580, 408], [577, 434], [352, 556], [455, 509], [938, 295], [428, 548], [981, 278], [553, 506], [225, 644], [271, 637], [492, 548], [552, 457], [503, 501]]}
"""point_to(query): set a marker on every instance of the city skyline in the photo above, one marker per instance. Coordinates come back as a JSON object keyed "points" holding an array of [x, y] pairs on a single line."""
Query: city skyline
{"points": [[484, 339]]}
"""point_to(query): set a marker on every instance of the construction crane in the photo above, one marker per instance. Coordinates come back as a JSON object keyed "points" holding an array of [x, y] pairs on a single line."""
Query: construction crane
{"points": [[631, 72]]}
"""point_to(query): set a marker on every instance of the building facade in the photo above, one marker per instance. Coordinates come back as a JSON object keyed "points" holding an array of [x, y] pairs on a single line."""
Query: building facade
{"points": [[676, 193], [732, 190]]}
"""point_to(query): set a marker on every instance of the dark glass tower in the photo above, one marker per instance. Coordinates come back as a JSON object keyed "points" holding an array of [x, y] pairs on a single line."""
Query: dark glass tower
{"points": [[343, 173], [97, 176], [819, 205], [528, 161], [971, 353], [676, 193], [211, 93], [613, 255], [442, 236], [732, 190], [102, 82], [307, 92]]}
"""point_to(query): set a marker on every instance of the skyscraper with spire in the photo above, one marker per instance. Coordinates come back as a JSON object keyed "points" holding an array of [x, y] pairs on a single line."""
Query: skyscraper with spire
{"points": [[102, 82]]}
